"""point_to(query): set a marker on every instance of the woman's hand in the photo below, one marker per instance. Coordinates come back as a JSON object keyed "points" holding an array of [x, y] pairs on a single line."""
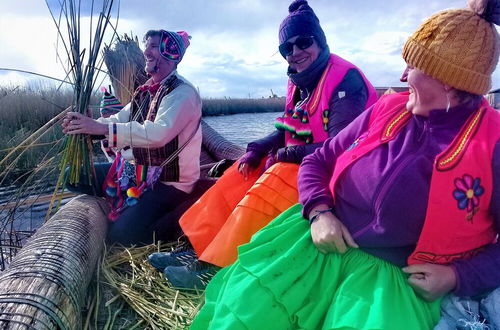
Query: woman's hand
{"points": [[329, 234], [431, 281], [245, 169], [76, 123]]}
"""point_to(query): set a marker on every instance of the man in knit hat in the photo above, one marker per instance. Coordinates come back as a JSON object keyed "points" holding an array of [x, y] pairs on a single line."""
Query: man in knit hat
{"points": [[159, 136]]}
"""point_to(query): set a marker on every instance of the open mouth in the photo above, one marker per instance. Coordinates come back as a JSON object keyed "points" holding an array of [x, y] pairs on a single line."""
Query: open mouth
{"points": [[300, 61]]}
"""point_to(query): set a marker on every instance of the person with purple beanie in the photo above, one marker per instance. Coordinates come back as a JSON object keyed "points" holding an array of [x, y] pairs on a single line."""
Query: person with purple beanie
{"points": [[399, 209], [325, 93]]}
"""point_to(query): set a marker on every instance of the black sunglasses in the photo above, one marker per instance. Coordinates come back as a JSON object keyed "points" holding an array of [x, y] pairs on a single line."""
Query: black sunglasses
{"points": [[304, 42]]}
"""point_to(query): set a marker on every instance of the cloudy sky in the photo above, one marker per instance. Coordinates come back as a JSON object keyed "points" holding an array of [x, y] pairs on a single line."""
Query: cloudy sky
{"points": [[233, 50]]}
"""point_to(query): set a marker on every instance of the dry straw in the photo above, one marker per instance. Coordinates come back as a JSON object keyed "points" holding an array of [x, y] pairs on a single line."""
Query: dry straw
{"points": [[135, 284], [125, 62]]}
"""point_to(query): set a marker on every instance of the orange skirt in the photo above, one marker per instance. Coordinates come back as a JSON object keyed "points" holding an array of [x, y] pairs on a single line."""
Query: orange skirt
{"points": [[204, 219], [273, 192]]}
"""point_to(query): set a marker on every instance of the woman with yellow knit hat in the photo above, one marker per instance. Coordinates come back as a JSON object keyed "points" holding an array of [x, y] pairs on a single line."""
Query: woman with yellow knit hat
{"points": [[403, 206]]}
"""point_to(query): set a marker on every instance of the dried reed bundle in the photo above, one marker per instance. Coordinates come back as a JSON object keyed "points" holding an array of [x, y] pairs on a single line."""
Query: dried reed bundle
{"points": [[145, 290], [125, 62]]}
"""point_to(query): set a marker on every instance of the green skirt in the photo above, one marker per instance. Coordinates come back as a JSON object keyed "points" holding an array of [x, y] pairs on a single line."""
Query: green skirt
{"points": [[282, 281]]}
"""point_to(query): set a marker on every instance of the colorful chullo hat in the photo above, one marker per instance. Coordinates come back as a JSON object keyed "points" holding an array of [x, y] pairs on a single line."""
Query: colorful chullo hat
{"points": [[459, 47], [301, 20], [110, 105], [173, 45]]}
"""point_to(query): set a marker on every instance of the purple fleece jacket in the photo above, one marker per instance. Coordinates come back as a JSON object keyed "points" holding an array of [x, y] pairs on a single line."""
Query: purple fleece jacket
{"points": [[382, 198]]}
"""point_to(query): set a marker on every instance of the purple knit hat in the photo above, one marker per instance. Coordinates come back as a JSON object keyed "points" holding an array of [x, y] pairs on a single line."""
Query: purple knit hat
{"points": [[301, 20], [173, 45]]}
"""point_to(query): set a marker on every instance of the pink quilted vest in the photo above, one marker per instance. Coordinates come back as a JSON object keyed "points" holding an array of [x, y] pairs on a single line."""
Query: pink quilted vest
{"points": [[307, 122]]}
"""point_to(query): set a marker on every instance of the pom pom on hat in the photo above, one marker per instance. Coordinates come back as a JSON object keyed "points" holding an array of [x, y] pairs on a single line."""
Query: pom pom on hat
{"points": [[459, 47], [301, 21], [110, 105], [487, 9]]}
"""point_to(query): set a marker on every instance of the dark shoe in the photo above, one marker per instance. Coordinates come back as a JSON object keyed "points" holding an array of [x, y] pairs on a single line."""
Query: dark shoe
{"points": [[181, 256], [193, 276]]}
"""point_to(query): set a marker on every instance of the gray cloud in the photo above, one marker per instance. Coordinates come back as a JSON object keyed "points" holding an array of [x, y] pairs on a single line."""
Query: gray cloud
{"points": [[233, 49]]}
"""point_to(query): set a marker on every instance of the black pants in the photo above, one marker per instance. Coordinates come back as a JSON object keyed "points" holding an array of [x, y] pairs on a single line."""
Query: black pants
{"points": [[158, 211]]}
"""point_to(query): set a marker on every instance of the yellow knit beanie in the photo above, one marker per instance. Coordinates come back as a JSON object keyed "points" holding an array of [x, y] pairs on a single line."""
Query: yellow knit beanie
{"points": [[458, 47]]}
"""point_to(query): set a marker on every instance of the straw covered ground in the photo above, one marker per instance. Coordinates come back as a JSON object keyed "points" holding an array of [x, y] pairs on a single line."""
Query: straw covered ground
{"points": [[130, 294]]}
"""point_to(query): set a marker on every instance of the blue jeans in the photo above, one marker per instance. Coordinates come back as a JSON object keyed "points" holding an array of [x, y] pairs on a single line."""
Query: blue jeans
{"points": [[156, 211], [470, 313]]}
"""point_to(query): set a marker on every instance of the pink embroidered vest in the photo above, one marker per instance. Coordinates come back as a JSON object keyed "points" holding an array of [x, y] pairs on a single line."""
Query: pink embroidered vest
{"points": [[457, 223], [307, 122]]}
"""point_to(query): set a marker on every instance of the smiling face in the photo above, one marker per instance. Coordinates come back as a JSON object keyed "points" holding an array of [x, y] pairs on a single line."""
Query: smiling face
{"points": [[300, 59], [157, 66], [426, 93]]}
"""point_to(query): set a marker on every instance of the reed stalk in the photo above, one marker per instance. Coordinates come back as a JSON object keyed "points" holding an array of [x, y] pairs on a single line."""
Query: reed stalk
{"points": [[83, 67], [77, 155]]}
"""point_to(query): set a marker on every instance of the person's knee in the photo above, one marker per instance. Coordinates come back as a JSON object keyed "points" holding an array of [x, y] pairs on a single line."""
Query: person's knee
{"points": [[116, 235], [128, 235]]}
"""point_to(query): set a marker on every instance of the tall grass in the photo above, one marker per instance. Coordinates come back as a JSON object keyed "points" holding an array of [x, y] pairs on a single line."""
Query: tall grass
{"points": [[24, 110]]}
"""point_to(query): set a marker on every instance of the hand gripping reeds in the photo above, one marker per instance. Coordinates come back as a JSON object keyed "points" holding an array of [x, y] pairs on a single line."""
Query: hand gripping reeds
{"points": [[76, 158]]}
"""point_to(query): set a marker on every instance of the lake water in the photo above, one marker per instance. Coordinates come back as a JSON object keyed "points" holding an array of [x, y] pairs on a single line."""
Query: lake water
{"points": [[244, 127]]}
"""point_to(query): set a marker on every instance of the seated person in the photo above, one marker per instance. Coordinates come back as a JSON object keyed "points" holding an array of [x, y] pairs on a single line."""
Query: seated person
{"points": [[159, 134]]}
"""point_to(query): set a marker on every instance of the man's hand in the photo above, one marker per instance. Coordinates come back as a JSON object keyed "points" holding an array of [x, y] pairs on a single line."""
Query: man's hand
{"points": [[431, 281], [329, 234], [76, 123]]}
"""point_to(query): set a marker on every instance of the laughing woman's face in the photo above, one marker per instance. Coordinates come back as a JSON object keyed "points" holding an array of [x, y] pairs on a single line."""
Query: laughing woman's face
{"points": [[301, 59]]}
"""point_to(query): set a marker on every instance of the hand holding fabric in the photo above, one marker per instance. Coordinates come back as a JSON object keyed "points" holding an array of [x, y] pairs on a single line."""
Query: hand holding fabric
{"points": [[329, 234], [245, 169], [431, 281], [249, 162], [76, 123]]}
